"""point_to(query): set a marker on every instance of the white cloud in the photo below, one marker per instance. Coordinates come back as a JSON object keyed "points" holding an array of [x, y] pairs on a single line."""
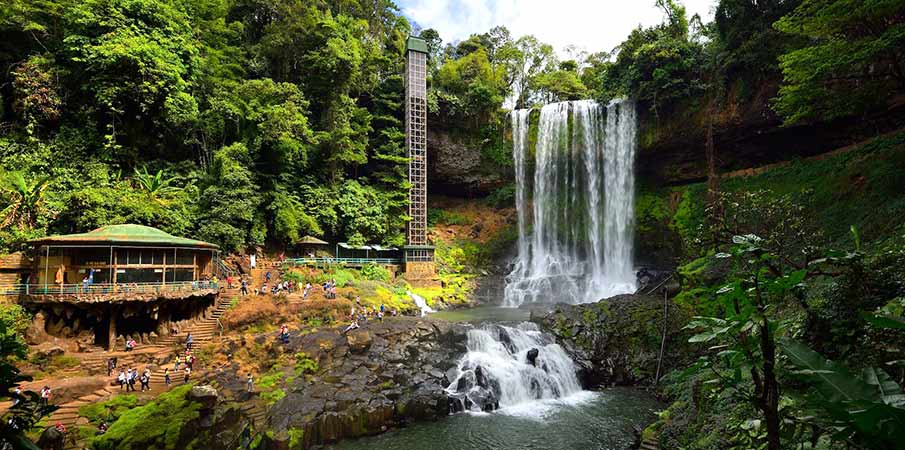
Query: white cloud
{"points": [[591, 25]]}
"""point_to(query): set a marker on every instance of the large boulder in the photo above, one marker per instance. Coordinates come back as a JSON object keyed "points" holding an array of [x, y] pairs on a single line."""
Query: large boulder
{"points": [[204, 394], [617, 340], [36, 332]]}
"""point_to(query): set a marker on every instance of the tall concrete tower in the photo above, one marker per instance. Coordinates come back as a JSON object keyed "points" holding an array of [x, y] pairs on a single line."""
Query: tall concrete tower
{"points": [[419, 254]]}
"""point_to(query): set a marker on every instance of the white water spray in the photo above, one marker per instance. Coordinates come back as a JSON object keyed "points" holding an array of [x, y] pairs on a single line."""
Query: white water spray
{"points": [[510, 366], [578, 245]]}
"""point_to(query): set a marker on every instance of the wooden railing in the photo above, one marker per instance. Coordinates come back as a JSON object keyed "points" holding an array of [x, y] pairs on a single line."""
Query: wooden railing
{"points": [[106, 288]]}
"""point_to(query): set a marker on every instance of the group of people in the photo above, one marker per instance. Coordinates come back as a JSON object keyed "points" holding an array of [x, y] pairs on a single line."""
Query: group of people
{"points": [[127, 379], [330, 289], [364, 313]]}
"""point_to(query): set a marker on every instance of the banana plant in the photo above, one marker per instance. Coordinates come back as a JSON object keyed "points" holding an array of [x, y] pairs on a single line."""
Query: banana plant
{"points": [[155, 185], [868, 410], [24, 199]]}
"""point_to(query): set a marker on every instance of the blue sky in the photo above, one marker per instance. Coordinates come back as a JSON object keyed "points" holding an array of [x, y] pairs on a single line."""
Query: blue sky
{"points": [[591, 25]]}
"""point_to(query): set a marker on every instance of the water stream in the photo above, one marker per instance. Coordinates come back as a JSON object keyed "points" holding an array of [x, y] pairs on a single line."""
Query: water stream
{"points": [[576, 210]]}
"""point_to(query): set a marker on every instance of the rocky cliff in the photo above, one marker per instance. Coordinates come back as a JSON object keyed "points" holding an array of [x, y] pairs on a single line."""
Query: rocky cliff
{"points": [[617, 340]]}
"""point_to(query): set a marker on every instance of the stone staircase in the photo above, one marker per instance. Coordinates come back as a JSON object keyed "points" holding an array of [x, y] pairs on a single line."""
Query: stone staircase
{"points": [[160, 356], [202, 331], [256, 413], [68, 415], [649, 443]]}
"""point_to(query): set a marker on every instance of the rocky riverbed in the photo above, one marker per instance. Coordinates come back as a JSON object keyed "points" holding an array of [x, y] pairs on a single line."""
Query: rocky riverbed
{"points": [[383, 375]]}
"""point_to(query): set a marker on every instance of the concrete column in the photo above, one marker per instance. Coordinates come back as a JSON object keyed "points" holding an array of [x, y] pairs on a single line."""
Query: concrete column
{"points": [[111, 331]]}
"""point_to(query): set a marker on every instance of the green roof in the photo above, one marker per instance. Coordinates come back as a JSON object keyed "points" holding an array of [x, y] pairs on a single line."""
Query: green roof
{"points": [[416, 44], [128, 234]]}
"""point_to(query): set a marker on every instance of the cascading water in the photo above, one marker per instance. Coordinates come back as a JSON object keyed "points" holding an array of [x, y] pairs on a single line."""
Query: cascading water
{"points": [[575, 231], [508, 366]]}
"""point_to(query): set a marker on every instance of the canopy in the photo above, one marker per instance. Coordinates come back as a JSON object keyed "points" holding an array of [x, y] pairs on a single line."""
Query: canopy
{"points": [[311, 240], [127, 234], [381, 248], [354, 247]]}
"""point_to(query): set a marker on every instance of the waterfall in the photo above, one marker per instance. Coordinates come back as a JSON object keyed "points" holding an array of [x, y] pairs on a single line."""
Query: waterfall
{"points": [[420, 303], [508, 366], [576, 211]]}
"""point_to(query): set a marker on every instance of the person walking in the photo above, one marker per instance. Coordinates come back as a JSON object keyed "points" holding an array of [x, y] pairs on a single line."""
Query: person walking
{"points": [[111, 366], [166, 377], [145, 381], [188, 371], [121, 379], [189, 340], [250, 384], [178, 361], [45, 395], [17, 394], [244, 287]]}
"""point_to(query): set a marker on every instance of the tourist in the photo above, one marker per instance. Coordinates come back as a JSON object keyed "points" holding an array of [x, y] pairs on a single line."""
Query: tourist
{"points": [[229, 281], [189, 340], [307, 289], [352, 326], [133, 375], [45, 395], [188, 371], [121, 379], [60, 428], [16, 394], [130, 344], [253, 260], [190, 361], [284, 334], [101, 429], [380, 316], [267, 277], [111, 366], [244, 289], [166, 377], [85, 284], [264, 290], [382, 308], [178, 361], [145, 381], [249, 384]]}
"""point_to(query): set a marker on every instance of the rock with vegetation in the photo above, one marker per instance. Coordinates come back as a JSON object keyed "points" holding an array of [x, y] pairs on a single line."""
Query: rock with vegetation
{"points": [[617, 340]]}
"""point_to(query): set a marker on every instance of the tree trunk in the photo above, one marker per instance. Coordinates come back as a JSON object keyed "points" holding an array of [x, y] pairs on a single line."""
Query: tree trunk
{"points": [[769, 401]]}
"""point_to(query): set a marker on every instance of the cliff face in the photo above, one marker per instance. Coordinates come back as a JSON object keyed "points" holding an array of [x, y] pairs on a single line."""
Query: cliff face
{"points": [[747, 134], [456, 166]]}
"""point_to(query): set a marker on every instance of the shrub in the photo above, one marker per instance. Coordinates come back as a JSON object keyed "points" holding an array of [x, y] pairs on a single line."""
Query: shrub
{"points": [[374, 272], [304, 364]]}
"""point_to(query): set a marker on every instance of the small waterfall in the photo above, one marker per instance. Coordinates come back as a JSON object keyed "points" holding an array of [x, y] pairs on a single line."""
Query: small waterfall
{"points": [[576, 230], [508, 366], [420, 303]]}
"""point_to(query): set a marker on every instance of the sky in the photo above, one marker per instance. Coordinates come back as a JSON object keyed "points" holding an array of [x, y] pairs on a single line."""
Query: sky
{"points": [[591, 25]]}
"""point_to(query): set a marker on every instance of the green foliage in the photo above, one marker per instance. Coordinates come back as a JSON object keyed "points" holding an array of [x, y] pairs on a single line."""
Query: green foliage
{"points": [[374, 272], [243, 115], [109, 410], [851, 63], [158, 424], [304, 365]]}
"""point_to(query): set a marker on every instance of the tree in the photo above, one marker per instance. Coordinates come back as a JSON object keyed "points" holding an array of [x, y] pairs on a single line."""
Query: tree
{"points": [[852, 62], [24, 199]]}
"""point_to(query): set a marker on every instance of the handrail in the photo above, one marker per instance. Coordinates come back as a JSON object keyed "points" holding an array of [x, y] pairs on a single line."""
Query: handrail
{"points": [[321, 260], [221, 327], [106, 288]]}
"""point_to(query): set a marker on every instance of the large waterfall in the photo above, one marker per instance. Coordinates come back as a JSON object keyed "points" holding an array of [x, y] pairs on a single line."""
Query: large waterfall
{"points": [[510, 366], [576, 211]]}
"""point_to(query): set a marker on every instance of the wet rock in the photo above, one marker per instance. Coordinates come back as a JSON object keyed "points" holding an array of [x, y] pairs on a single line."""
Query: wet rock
{"points": [[532, 356]]}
